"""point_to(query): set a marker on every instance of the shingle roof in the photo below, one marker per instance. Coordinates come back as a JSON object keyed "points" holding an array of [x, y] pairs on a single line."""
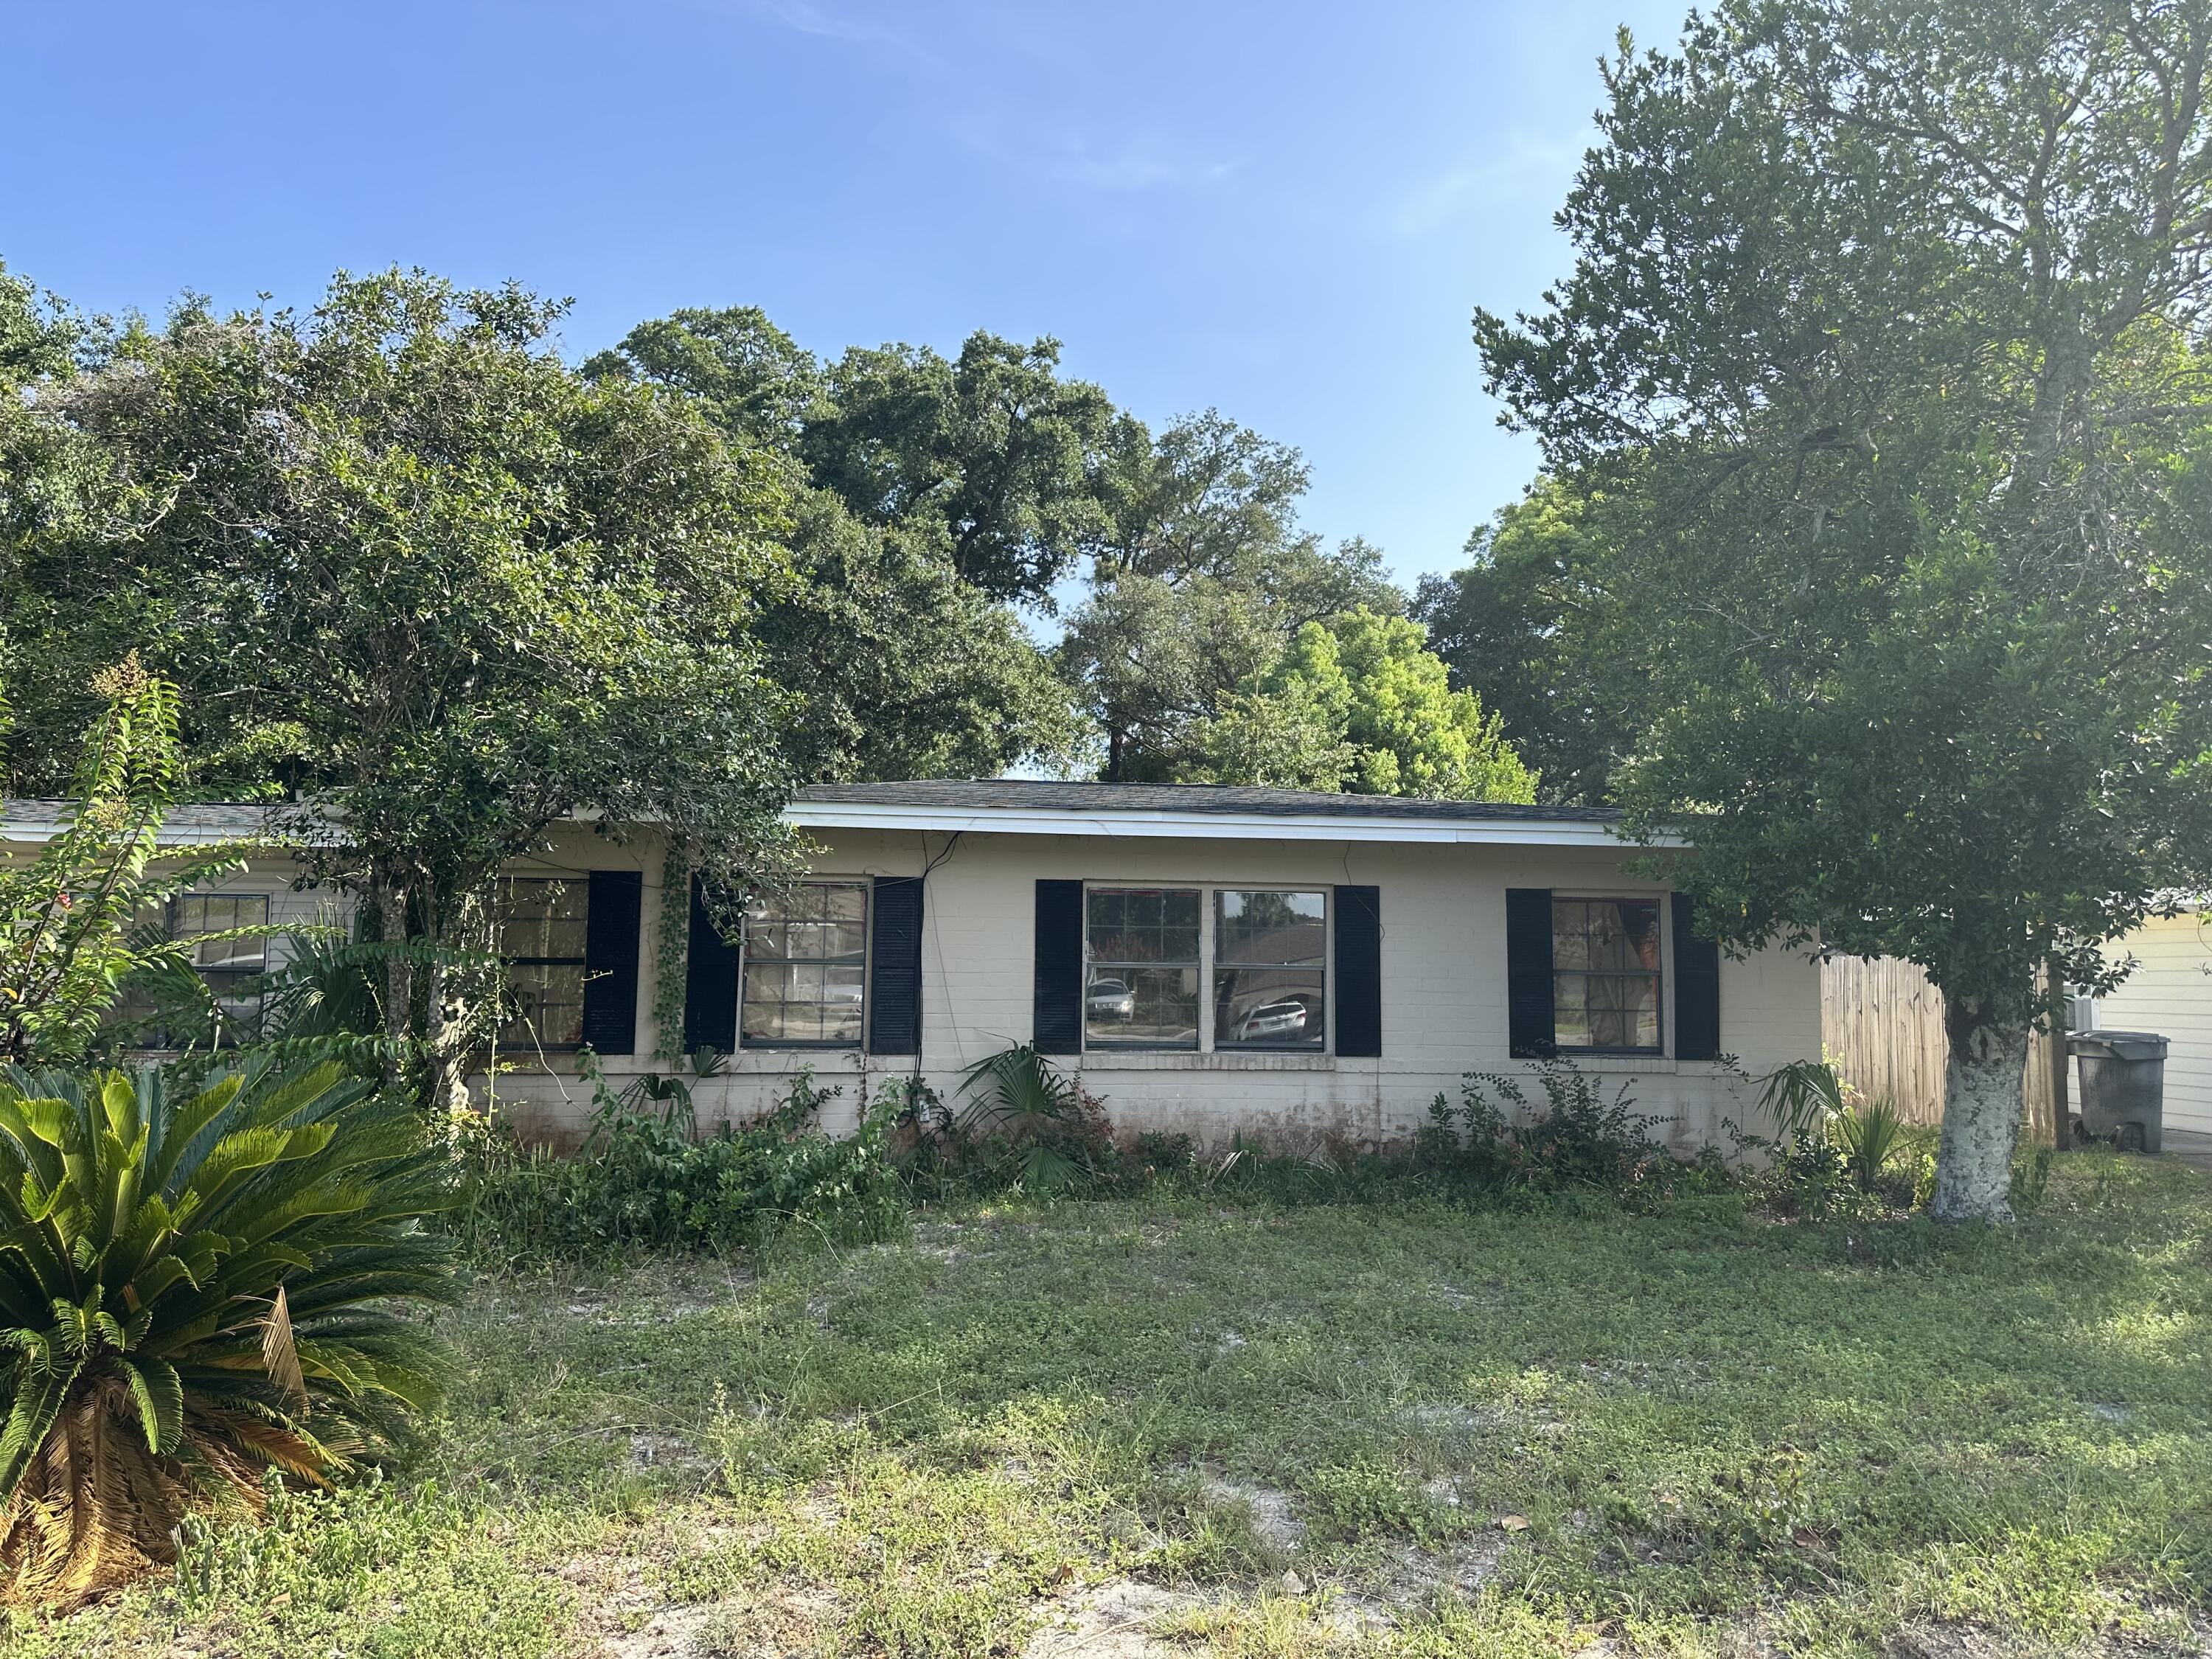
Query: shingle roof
{"points": [[36, 820], [1040, 795]]}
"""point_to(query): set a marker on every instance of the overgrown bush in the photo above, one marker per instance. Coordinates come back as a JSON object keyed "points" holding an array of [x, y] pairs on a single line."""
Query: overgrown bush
{"points": [[1581, 1138], [645, 1179]]}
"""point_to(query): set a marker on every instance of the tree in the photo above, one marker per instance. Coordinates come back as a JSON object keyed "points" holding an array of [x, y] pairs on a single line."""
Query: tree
{"points": [[1528, 626], [993, 446], [1365, 686], [901, 666], [410, 568], [1200, 582], [1880, 340]]}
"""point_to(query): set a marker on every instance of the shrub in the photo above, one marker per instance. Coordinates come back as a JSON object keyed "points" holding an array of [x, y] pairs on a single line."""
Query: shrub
{"points": [[1029, 1126], [644, 1179], [1579, 1137], [196, 1291]]}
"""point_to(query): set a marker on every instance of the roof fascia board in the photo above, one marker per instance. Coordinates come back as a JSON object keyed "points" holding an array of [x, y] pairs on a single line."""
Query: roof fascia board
{"points": [[1207, 826]]}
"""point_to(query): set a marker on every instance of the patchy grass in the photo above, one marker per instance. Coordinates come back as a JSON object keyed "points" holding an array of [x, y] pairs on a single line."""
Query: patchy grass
{"points": [[1147, 1428]]}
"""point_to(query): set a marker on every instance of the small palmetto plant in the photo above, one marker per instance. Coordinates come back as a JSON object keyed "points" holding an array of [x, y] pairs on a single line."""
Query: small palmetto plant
{"points": [[194, 1291], [1869, 1133], [1021, 1098]]}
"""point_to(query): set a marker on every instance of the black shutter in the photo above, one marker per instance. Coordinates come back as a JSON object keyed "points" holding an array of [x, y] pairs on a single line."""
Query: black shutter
{"points": [[1358, 972], [895, 979], [1529, 1030], [1697, 987], [710, 981], [1059, 1002], [616, 904]]}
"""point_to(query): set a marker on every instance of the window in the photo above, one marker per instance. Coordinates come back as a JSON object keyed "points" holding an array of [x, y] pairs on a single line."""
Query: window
{"points": [[805, 967], [1141, 951], [1604, 974], [541, 923], [1148, 961], [226, 965], [1270, 950]]}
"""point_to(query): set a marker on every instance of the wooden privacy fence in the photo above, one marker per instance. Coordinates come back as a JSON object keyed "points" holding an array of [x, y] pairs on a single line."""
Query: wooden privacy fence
{"points": [[1882, 1023]]}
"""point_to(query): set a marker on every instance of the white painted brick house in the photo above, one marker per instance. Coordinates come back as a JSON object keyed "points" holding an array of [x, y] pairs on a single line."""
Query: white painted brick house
{"points": [[1210, 960]]}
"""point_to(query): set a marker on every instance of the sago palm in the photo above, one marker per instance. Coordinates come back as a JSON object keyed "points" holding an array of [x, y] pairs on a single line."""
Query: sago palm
{"points": [[193, 1291]]}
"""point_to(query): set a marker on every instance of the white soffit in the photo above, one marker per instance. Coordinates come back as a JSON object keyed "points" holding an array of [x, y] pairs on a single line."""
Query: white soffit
{"points": [[1208, 826]]}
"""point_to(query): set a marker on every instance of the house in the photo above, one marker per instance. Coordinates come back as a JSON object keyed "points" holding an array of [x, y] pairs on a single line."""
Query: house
{"points": [[1208, 960], [2169, 991]]}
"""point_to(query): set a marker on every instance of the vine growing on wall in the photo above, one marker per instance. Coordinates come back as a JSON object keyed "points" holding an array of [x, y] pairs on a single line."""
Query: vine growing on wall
{"points": [[672, 952]]}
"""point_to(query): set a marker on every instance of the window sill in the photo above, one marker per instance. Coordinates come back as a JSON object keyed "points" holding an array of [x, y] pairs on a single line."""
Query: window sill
{"points": [[1649, 1065], [1185, 1060]]}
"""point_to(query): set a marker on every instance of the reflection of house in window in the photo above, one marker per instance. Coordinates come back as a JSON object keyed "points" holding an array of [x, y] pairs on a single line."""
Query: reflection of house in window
{"points": [[1270, 950], [541, 922]]}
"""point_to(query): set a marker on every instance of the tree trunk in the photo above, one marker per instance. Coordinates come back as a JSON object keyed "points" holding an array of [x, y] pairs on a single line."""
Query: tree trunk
{"points": [[1981, 1114], [390, 897]]}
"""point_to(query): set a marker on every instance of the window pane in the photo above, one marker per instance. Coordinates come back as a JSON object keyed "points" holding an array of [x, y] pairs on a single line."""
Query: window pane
{"points": [[1267, 1008], [1134, 1003], [1267, 928], [805, 954], [1623, 1011], [1571, 1011], [1570, 935], [1143, 924], [541, 916], [552, 999], [1624, 935]]}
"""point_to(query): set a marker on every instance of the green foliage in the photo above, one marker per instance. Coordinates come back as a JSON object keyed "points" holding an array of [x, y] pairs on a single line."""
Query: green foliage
{"points": [[1852, 1437], [1925, 611], [198, 1289], [1029, 1124], [644, 1179], [1403, 729], [1869, 1134], [1799, 1099], [1579, 1140], [69, 913], [1532, 628], [405, 562]]}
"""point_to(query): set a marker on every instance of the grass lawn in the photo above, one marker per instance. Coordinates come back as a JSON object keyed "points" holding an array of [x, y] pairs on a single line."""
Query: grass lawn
{"points": [[1184, 1427]]}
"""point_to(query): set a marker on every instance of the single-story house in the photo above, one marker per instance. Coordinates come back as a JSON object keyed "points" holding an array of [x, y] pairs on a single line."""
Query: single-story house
{"points": [[1208, 960], [2169, 992]]}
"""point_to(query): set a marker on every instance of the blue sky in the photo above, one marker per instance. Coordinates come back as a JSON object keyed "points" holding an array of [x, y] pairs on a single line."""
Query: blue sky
{"points": [[1287, 210]]}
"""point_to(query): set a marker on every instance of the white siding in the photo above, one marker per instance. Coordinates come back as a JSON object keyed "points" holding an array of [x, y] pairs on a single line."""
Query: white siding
{"points": [[2170, 992]]}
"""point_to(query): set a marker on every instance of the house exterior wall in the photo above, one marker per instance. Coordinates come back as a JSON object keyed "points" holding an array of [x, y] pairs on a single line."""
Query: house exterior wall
{"points": [[1443, 974], [2170, 992]]}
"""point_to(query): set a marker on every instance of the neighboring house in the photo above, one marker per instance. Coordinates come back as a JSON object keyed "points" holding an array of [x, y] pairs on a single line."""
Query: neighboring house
{"points": [[2170, 992], [1209, 960]]}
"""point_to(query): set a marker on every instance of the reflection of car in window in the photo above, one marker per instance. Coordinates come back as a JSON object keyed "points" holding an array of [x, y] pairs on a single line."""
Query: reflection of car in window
{"points": [[1112, 999], [1272, 1019]]}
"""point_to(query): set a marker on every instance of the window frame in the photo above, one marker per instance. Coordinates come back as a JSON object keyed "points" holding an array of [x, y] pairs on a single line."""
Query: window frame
{"points": [[1207, 1044], [1661, 976], [816, 1045], [580, 880]]}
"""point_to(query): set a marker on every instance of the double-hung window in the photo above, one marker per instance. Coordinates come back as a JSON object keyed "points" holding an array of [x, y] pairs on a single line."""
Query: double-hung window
{"points": [[542, 924], [1195, 968], [1605, 992], [806, 967]]}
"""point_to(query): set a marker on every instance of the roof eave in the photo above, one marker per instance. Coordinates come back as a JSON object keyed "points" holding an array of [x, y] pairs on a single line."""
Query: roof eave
{"points": [[1207, 826]]}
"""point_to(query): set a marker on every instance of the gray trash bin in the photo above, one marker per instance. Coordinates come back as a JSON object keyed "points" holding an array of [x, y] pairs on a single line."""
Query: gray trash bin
{"points": [[2123, 1086]]}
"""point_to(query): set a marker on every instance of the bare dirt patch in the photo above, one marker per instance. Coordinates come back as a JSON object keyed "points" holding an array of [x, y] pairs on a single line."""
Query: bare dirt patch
{"points": [[1122, 1620]]}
